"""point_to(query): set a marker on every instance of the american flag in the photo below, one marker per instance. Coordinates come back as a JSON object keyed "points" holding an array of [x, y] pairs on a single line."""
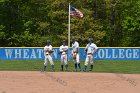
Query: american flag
{"points": [[75, 12]]}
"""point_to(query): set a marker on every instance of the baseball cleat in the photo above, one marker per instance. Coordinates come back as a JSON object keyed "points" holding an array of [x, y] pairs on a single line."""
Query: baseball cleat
{"points": [[80, 70], [84, 70], [90, 70], [75, 70]]}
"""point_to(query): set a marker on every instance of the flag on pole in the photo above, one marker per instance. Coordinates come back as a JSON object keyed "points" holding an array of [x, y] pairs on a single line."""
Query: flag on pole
{"points": [[75, 12]]}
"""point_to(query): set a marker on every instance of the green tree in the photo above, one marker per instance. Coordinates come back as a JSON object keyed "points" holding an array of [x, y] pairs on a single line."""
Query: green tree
{"points": [[131, 24], [31, 22]]}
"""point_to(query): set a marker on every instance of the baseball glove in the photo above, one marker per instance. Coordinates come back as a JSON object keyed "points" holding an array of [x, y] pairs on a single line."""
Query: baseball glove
{"points": [[65, 50], [50, 51], [74, 56]]}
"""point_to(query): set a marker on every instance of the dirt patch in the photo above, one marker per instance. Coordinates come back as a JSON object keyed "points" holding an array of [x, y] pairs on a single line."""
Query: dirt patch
{"points": [[67, 82]]}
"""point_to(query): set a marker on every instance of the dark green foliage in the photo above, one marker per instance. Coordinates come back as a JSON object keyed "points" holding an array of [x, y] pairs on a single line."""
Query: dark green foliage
{"points": [[31, 22]]}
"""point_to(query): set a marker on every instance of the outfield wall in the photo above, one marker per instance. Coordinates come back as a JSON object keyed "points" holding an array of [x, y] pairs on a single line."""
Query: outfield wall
{"points": [[103, 53]]}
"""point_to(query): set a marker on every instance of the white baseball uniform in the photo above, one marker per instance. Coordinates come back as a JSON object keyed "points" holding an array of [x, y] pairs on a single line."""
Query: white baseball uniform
{"points": [[48, 55], [91, 48], [75, 45], [63, 54]]}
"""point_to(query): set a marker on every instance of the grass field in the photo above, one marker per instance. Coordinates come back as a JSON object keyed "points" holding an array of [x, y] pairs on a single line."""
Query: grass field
{"points": [[116, 66]]}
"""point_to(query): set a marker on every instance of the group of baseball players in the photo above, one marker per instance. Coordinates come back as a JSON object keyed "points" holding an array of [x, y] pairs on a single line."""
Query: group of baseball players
{"points": [[90, 49]]}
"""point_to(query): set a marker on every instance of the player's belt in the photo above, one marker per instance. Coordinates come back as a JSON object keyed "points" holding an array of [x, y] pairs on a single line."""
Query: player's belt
{"points": [[47, 54], [89, 53]]}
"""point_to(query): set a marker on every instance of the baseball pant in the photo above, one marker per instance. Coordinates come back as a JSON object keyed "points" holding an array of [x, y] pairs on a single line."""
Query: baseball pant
{"points": [[64, 59], [77, 59], [89, 58], [77, 62], [48, 58]]}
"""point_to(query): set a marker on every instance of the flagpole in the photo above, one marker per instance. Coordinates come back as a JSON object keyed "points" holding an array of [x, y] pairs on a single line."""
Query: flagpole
{"points": [[69, 27]]}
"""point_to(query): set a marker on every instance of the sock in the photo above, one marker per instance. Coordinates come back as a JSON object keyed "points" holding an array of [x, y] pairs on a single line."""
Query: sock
{"points": [[44, 68], [85, 68], [75, 65], [52, 67], [66, 67], [91, 67], [62, 67], [79, 66]]}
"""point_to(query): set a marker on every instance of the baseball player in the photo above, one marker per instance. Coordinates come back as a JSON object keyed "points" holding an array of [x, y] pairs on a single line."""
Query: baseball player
{"points": [[90, 49], [75, 53], [63, 50], [47, 52]]}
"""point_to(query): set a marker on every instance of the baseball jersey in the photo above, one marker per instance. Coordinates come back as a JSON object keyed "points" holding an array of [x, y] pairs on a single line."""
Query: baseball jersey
{"points": [[75, 45], [91, 47], [62, 47], [47, 48]]}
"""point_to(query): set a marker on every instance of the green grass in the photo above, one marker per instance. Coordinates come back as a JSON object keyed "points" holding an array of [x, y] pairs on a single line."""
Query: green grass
{"points": [[116, 66]]}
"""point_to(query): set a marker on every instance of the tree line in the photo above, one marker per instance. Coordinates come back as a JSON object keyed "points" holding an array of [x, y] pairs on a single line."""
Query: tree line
{"points": [[113, 23]]}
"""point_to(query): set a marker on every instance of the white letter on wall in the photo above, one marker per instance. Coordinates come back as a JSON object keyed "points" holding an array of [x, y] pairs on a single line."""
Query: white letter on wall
{"points": [[136, 53], [26, 53], [33, 54], [128, 53], [17, 53], [8, 53], [121, 53], [39, 51]]}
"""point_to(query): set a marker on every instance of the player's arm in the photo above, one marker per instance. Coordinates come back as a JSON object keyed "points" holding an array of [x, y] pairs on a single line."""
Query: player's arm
{"points": [[65, 50], [85, 51], [95, 49], [47, 50], [71, 52], [60, 50], [76, 51], [77, 48], [50, 50]]}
